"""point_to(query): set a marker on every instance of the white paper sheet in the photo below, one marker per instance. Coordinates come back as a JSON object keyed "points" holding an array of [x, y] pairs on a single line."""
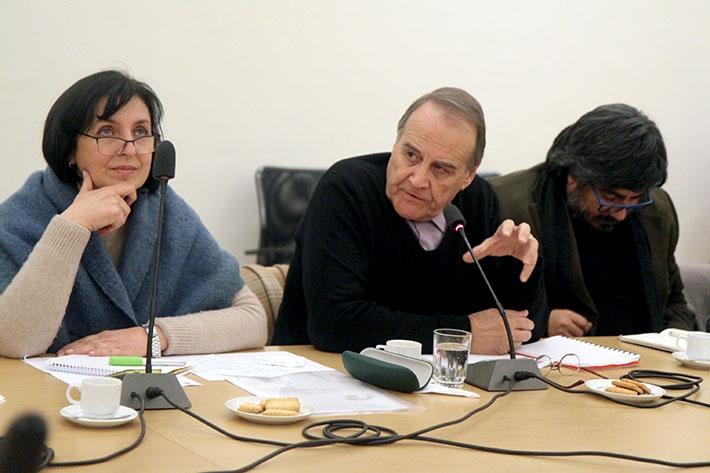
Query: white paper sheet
{"points": [[269, 364], [326, 392], [435, 388], [214, 367]]}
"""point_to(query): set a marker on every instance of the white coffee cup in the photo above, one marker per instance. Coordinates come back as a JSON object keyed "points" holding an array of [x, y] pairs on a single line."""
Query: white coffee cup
{"points": [[697, 345], [99, 397], [403, 347]]}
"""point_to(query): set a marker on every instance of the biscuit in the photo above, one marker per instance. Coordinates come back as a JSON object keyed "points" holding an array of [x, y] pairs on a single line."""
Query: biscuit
{"points": [[620, 390], [250, 408], [285, 403], [279, 412], [641, 385], [622, 383]]}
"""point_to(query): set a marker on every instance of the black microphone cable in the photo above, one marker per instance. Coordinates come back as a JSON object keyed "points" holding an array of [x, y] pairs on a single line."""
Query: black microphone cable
{"points": [[118, 453], [160, 393], [330, 429], [330, 436], [684, 382]]}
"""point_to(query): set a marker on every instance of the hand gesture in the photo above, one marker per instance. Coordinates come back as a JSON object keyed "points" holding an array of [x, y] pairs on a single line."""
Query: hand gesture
{"points": [[104, 209], [568, 323], [510, 240], [488, 331]]}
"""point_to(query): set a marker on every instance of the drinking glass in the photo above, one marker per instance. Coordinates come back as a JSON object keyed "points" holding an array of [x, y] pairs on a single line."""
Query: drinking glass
{"points": [[451, 347]]}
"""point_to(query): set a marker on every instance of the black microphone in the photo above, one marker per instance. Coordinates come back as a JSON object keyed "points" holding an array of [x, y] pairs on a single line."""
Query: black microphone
{"points": [[164, 162], [163, 170], [22, 449], [493, 375]]}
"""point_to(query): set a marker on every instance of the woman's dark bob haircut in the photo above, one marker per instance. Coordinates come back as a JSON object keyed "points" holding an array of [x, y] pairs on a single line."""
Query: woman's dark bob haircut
{"points": [[75, 110]]}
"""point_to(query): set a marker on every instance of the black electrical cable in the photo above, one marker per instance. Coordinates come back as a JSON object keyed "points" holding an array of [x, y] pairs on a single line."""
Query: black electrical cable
{"points": [[330, 428], [572, 453], [685, 381], [219, 429], [115, 454]]}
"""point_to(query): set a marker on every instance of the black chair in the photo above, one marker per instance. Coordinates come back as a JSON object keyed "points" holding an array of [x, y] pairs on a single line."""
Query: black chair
{"points": [[282, 195]]}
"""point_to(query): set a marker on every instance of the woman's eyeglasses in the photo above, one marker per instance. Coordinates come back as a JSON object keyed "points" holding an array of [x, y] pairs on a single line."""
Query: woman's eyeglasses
{"points": [[112, 145]]}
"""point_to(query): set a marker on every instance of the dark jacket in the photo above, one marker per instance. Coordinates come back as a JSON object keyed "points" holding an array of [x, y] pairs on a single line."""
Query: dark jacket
{"points": [[520, 199]]}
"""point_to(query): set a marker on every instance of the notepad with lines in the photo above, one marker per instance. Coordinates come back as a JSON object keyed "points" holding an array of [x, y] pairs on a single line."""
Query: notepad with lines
{"points": [[84, 365], [590, 354]]}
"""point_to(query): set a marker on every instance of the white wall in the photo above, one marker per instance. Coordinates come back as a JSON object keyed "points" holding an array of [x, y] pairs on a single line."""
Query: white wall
{"points": [[305, 83]]}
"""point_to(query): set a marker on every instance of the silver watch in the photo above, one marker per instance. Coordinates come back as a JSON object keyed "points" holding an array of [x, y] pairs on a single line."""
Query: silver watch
{"points": [[155, 343]]}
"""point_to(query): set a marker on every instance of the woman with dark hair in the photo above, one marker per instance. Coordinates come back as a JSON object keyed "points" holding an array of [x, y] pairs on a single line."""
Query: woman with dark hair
{"points": [[76, 242]]}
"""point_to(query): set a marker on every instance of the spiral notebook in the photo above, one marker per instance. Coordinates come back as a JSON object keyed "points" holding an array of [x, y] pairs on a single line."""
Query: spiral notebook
{"points": [[84, 365], [590, 354]]}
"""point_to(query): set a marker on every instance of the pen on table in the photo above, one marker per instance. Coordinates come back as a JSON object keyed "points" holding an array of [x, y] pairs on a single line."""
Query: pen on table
{"points": [[140, 361]]}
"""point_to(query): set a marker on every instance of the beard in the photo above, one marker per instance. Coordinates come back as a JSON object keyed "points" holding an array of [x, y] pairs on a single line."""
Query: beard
{"points": [[601, 223]]}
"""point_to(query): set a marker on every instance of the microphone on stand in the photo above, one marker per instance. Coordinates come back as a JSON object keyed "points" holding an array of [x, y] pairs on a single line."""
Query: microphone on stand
{"points": [[22, 450], [493, 375], [145, 384]]}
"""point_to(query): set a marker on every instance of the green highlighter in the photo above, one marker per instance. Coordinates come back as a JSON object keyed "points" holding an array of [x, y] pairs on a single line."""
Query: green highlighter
{"points": [[126, 361], [140, 361]]}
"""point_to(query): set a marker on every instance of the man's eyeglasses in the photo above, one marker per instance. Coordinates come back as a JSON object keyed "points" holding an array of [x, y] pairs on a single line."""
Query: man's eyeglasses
{"points": [[568, 365], [615, 207], [112, 145]]}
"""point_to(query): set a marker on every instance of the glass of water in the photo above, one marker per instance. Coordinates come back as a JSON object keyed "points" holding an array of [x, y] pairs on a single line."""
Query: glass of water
{"points": [[451, 347]]}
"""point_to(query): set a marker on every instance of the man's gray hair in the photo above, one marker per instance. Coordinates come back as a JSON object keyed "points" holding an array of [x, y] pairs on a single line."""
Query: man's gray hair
{"points": [[460, 103]]}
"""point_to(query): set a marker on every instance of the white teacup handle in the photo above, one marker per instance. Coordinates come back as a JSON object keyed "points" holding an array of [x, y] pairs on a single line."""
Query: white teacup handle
{"points": [[681, 337], [70, 389]]}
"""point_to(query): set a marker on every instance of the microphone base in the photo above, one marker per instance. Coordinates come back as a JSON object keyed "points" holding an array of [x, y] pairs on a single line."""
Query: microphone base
{"points": [[491, 375], [140, 382]]}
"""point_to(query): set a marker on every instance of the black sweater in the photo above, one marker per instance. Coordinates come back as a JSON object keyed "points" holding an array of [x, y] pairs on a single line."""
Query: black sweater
{"points": [[359, 276]]}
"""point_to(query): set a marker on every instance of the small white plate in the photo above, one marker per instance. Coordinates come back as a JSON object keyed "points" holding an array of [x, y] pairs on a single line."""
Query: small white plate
{"points": [[233, 405], [73, 413], [682, 356], [599, 386]]}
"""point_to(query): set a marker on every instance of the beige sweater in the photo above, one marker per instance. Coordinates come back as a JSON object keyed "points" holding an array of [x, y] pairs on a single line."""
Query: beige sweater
{"points": [[30, 318]]}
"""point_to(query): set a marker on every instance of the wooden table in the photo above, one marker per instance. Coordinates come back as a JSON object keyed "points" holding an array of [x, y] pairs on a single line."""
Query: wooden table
{"points": [[533, 420]]}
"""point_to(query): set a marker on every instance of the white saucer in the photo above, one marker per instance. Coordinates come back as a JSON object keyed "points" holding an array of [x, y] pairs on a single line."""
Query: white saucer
{"points": [[682, 356], [233, 405], [599, 386], [123, 414]]}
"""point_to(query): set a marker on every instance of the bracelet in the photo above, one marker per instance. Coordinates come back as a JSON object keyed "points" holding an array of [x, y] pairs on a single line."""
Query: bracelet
{"points": [[155, 342]]}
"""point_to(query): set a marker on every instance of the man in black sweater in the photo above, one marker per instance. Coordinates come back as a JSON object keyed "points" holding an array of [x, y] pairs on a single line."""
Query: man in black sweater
{"points": [[373, 259]]}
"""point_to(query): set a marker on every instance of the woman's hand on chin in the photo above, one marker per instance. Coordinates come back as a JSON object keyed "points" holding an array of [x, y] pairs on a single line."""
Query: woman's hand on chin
{"points": [[104, 209]]}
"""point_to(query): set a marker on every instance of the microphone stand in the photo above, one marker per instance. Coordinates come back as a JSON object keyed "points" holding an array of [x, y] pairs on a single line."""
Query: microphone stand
{"points": [[147, 385], [494, 375]]}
